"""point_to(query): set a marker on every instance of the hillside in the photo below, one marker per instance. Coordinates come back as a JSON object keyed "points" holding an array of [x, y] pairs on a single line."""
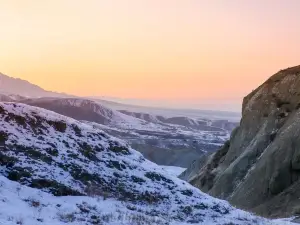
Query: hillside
{"points": [[258, 169], [65, 158]]}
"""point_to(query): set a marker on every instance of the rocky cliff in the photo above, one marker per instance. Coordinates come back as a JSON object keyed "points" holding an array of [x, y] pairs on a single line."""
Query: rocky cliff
{"points": [[259, 168]]}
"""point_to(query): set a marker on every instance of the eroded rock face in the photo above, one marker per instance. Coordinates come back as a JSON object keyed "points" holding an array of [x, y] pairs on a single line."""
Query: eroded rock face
{"points": [[259, 168]]}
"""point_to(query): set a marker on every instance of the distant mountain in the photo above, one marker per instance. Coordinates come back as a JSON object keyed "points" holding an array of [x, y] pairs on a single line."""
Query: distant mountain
{"points": [[79, 109], [204, 124], [170, 112], [16, 86], [231, 104]]}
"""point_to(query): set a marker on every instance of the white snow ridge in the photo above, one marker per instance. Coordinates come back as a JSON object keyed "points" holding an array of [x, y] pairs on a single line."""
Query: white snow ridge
{"points": [[56, 170]]}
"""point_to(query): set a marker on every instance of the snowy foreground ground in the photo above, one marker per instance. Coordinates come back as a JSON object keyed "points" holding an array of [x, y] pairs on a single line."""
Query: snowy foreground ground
{"points": [[64, 157], [27, 206]]}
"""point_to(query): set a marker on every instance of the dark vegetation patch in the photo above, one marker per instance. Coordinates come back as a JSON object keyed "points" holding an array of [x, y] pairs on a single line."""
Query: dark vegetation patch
{"points": [[33, 203], [84, 176], [20, 120], [186, 210], [2, 110], [7, 161], [147, 197], [77, 130], [55, 188], [51, 151], [33, 154], [220, 209], [51, 144], [117, 175], [66, 144], [59, 126], [158, 177], [88, 151], [138, 180], [3, 137], [201, 206], [119, 149], [41, 138], [116, 165], [36, 124], [73, 155], [119, 190], [19, 174], [187, 193], [198, 219]]}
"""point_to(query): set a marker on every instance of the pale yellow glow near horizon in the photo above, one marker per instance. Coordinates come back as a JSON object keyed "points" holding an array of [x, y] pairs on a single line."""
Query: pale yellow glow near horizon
{"points": [[156, 49]]}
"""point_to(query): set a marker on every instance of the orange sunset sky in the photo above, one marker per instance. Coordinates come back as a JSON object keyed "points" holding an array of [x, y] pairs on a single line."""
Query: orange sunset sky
{"points": [[183, 51]]}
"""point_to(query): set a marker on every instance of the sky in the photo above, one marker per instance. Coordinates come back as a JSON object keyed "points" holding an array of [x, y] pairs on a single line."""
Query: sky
{"points": [[184, 53]]}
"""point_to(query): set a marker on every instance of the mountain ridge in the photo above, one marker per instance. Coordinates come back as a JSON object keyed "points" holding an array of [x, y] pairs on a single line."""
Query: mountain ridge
{"points": [[11, 85]]}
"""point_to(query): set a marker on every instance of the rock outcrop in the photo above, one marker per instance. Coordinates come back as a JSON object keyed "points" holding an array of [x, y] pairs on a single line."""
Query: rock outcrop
{"points": [[259, 168]]}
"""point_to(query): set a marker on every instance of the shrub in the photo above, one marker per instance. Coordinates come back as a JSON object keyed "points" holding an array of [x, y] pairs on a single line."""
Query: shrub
{"points": [[3, 137], [119, 149], [33, 203], [59, 126], [66, 217], [157, 177], [77, 130]]}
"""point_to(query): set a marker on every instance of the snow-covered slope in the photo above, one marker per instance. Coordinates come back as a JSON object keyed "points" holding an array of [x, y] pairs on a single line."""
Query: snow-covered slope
{"points": [[23, 205], [63, 157]]}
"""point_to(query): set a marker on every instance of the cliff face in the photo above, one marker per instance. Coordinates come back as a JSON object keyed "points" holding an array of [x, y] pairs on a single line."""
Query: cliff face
{"points": [[259, 168]]}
